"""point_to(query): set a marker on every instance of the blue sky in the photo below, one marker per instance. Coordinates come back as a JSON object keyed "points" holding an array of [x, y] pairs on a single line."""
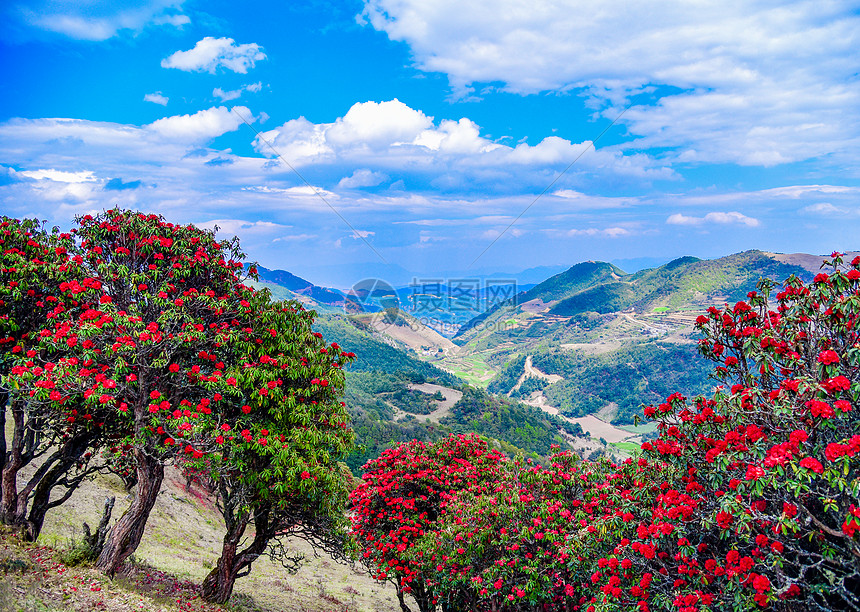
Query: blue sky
{"points": [[430, 125]]}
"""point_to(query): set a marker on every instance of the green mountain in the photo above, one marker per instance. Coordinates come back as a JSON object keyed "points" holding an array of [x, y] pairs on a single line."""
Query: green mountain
{"points": [[300, 287], [684, 284], [577, 278], [601, 341]]}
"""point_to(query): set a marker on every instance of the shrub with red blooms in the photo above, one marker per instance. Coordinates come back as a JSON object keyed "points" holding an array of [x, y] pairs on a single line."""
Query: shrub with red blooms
{"points": [[143, 354], [33, 265], [532, 542], [404, 497], [273, 456], [760, 500], [749, 499], [139, 333]]}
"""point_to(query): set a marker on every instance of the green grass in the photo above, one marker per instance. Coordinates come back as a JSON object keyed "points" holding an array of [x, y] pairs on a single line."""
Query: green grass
{"points": [[629, 449], [644, 428], [661, 309], [474, 370]]}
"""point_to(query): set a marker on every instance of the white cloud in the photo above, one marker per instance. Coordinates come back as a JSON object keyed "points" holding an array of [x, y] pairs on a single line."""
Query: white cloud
{"points": [[302, 191], [296, 238], [757, 83], [60, 176], [362, 178], [210, 53], [679, 219], [393, 137], [235, 93], [825, 209], [723, 218], [242, 228], [201, 126], [61, 167], [156, 98], [226, 95], [577, 200], [609, 232], [101, 19], [373, 124]]}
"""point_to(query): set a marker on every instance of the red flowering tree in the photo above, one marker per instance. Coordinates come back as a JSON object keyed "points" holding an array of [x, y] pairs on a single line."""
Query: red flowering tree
{"points": [[760, 495], [272, 450], [146, 349], [404, 497], [529, 542], [33, 264]]}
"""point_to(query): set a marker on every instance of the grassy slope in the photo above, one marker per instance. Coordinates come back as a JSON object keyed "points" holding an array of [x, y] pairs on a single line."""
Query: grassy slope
{"points": [[180, 546]]}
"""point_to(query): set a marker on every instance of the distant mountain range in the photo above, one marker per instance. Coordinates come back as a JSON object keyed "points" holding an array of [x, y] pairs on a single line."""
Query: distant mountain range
{"points": [[590, 340], [684, 284]]}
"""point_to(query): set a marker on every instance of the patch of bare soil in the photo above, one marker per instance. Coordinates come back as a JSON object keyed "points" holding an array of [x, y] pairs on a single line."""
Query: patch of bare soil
{"points": [[530, 370], [416, 336], [536, 305], [601, 429]]}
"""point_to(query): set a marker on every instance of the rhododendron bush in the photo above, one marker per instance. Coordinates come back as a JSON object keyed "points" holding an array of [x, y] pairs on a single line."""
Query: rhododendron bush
{"points": [[273, 449], [33, 265], [747, 499], [404, 497], [154, 350]]}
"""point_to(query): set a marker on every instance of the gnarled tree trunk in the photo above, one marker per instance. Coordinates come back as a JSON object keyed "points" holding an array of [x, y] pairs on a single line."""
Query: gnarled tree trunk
{"points": [[4, 397], [14, 461], [45, 480], [126, 534], [218, 585]]}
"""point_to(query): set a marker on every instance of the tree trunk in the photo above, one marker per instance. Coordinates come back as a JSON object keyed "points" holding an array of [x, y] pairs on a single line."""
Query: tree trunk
{"points": [[4, 397], [218, 585], [127, 532], [63, 460], [9, 477]]}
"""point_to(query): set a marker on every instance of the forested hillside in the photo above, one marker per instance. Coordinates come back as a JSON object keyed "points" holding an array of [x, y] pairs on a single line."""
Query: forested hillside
{"points": [[380, 388]]}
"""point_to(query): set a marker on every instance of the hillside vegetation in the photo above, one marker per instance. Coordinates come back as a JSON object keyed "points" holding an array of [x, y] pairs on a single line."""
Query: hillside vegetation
{"points": [[618, 340], [379, 383]]}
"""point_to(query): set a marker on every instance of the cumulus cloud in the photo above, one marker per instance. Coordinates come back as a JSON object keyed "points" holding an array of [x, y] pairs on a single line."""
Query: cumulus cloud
{"points": [[64, 167], [362, 178], [156, 98], [392, 137], [756, 83], [101, 19], [210, 53], [384, 123], [201, 126], [723, 218], [226, 95]]}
